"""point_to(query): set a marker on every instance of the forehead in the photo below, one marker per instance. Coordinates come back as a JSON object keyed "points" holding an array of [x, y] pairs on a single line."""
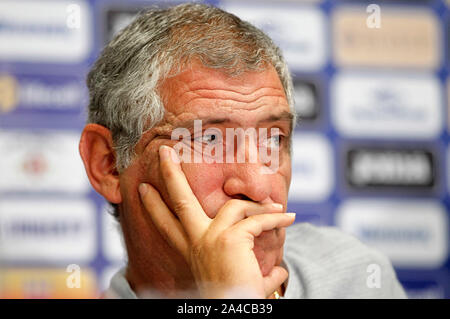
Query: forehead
{"points": [[200, 92]]}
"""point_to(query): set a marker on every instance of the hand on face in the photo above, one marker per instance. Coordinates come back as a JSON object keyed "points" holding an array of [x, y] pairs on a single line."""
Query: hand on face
{"points": [[219, 251], [251, 100]]}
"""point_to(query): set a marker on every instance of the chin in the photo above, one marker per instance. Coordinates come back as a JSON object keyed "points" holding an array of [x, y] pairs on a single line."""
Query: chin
{"points": [[269, 249]]}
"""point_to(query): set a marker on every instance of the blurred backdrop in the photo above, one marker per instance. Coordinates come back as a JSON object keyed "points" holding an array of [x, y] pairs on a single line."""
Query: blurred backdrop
{"points": [[371, 152]]}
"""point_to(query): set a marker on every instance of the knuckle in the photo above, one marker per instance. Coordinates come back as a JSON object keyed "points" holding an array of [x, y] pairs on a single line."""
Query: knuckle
{"points": [[225, 239], [197, 251], [167, 171], [234, 206], [231, 203], [235, 202], [181, 205], [208, 245], [255, 222], [262, 217]]}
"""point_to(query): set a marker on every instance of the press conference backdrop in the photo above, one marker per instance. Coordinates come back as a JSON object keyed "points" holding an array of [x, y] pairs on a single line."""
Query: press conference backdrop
{"points": [[371, 154]]}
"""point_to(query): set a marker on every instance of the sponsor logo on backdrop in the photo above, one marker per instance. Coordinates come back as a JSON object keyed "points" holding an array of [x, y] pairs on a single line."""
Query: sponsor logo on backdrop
{"points": [[41, 161], [113, 246], [8, 93], [37, 93], [45, 283], [406, 38], [306, 100], [448, 101], [51, 229], [377, 168], [299, 31], [382, 105], [45, 31], [412, 233], [312, 168]]}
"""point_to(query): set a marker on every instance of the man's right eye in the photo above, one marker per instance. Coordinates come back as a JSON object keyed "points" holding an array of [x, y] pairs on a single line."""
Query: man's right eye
{"points": [[209, 138]]}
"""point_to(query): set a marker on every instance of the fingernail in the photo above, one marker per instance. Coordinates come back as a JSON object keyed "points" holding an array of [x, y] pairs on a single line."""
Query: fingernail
{"points": [[291, 214], [166, 152], [277, 206], [163, 153], [143, 189]]}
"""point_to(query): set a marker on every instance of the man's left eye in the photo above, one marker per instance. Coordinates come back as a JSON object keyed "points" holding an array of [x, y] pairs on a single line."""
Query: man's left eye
{"points": [[276, 140], [273, 141]]}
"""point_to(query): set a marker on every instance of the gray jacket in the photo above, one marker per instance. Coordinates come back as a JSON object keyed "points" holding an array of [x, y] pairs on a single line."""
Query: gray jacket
{"points": [[323, 262]]}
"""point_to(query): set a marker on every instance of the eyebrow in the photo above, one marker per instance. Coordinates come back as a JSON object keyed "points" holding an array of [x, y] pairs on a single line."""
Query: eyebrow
{"points": [[283, 116]]}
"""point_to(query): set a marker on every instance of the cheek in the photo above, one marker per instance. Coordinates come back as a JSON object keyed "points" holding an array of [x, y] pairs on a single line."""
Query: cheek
{"points": [[149, 171], [206, 181], [285, 167], [143, 170], [283, 180]]}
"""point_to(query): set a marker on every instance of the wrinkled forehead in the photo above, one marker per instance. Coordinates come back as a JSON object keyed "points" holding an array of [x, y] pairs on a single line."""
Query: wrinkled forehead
{"points": [[214, 96]]}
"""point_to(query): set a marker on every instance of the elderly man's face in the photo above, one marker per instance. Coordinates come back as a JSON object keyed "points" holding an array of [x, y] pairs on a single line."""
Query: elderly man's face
{"points": [[251, 100]]}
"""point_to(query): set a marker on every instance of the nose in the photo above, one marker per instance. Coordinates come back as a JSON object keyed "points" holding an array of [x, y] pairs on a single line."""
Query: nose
{"points": [[247, 180]]}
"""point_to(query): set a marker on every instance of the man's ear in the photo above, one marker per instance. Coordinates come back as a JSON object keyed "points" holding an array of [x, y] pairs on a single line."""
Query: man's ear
{"points": [[96, 150]]}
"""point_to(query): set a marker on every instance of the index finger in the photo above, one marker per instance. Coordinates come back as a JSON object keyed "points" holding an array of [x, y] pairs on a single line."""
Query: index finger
{"points": [[185, 203]]}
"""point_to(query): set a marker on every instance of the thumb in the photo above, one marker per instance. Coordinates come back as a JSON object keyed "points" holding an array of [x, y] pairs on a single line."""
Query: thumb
{"points": [[274, 279]]}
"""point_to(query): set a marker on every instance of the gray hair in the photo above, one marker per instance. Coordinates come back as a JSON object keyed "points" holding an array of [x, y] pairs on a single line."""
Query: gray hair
{"points": [[123, 83]]}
